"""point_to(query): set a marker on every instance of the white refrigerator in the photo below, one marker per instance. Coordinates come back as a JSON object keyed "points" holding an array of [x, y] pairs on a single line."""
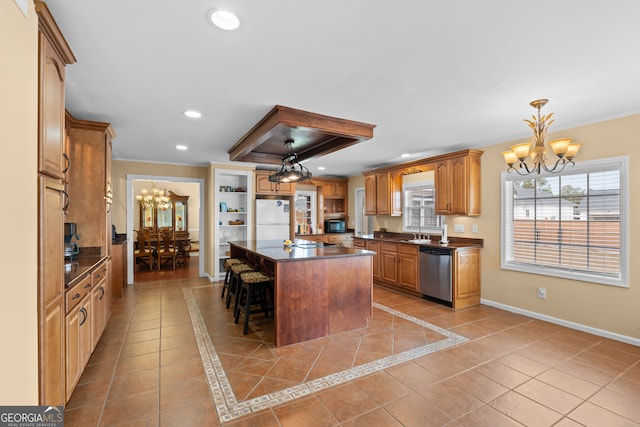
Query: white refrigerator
{"points": [[272, 219]]}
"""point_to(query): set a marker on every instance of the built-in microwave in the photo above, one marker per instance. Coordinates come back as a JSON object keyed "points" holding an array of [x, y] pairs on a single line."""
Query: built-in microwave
{"points": [[334, 226]]}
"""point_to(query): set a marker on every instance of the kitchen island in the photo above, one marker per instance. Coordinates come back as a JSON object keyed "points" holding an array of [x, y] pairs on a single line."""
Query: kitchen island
{"points": [[318, 290]]}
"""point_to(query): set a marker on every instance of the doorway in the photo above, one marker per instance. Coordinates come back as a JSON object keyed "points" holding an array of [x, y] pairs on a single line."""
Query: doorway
{"points": [[192, 187]]}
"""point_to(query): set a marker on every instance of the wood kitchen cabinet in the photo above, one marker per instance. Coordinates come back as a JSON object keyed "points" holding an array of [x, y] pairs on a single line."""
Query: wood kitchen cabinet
{"points": [[53, 55], [457, 182], [466, 277], [99, 299], [264, 186], [79, 344], [408, 267], [375, 247], [333, 188], [383, 194], [389, 262], [90, 182]]}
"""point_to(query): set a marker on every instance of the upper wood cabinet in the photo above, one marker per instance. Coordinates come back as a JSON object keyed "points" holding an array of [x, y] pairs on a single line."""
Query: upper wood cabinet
{"points": [[383, 194], [90, 190], [457, 182], [54, 54], [333, 188], [264, 186]]}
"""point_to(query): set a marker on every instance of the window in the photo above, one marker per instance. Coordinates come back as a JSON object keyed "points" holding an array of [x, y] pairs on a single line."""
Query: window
{"points": [[419, 209], [571, 225], [364, 223]]}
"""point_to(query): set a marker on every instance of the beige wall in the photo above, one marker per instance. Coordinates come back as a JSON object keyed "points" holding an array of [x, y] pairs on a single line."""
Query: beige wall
{"points": [[604, 307], [121, 168], [608, 308], [19, 136]]}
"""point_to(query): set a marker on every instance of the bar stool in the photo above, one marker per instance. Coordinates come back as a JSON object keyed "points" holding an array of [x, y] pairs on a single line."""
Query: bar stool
{"points": [[234, 281], [253, 291], [227, 267]]}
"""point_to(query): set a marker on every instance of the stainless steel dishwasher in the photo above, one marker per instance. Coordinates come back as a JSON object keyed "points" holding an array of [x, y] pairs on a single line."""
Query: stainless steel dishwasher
{"points": [[435, 273]]}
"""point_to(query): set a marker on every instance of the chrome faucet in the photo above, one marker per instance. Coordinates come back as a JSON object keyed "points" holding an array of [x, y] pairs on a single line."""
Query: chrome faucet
{"points": [[419, 230]]}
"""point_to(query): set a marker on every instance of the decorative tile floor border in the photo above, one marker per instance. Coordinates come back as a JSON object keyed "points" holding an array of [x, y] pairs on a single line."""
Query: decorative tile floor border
{"points": [[229, 408]]}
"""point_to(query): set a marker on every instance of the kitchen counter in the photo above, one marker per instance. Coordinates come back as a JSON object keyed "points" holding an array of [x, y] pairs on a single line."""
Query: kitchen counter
{"points": [[454, 242], [76, 268], [319, 290], [276, 251]]}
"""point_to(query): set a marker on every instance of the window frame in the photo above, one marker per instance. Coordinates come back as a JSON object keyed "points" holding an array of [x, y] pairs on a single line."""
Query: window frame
{"points": [[407, 223], [583, 167]]}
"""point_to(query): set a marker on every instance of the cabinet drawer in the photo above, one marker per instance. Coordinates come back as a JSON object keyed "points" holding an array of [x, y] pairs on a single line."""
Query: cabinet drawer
{"points": [[390, 247], [99, 273], [75, 294], [408, 249]]}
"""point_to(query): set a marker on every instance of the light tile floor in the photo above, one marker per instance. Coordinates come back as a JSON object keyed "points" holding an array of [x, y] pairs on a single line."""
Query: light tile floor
{"points": [[479, 366]]}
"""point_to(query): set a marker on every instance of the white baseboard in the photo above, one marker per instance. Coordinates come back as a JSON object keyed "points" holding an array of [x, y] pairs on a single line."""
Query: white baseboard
{"points": [[562, 322]]}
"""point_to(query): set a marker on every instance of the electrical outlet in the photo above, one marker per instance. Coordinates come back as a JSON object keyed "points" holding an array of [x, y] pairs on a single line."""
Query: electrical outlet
{"points": [[474, 228], [542, 293], [459, 228]]}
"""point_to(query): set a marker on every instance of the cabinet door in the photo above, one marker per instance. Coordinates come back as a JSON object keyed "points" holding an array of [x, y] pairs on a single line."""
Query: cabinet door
{"points": [[383, 194], [51, 140], [370, 197], [443, 188], [389, 262], [98, 299], [459, 188], [86, 334], [408, 267], [466, 278], [375, 247], [73, 349], [51, 291], [264, 186], [340, 189]]}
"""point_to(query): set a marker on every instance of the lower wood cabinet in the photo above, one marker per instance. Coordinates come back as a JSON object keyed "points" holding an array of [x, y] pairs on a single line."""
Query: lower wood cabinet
{"points": [[466, 277], [408, 267], [88, 306], [397, 265]]}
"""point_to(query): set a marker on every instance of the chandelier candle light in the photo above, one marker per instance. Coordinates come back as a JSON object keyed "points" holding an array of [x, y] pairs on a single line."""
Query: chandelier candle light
{"points": [[563, 148], [159, 198]]}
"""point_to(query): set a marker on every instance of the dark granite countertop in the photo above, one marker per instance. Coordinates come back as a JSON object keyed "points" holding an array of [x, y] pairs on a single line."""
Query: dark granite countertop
{"points": [[454, 242], [73, 269], [276, 251]]}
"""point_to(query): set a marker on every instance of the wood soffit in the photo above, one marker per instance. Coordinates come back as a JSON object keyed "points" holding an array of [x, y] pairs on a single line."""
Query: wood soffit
{"points": [[314, 135]]}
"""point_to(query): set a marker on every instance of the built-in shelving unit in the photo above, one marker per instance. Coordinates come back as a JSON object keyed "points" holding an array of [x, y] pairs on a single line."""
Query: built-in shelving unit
{"points": [[233, 208]]}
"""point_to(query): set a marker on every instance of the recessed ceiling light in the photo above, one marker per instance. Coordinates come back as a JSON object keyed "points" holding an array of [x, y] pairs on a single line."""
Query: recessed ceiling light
{"points": [[182, 147], [405, 155], [193, 114], [321, 168], [224, 19]]}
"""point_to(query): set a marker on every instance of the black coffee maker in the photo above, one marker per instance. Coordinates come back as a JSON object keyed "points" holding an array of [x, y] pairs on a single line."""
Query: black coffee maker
{"points": [[71, 249]]}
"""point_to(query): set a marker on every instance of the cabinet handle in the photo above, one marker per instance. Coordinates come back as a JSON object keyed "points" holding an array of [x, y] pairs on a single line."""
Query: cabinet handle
{"points": [[84, 312], [68, 161], [101, 296], [67, 201], [76, 296], [88, 285]]}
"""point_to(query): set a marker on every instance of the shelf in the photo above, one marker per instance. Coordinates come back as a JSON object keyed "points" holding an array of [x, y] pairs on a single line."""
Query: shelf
{"points": [[229, 225], [233, 212]]}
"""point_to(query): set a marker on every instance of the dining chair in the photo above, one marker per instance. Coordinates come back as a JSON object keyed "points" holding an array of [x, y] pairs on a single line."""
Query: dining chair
{"points": [[144, 252], [167, 249]]}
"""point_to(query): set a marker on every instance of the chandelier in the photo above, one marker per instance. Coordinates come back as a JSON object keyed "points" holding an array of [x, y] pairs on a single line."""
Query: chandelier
{"points": [[154, 198], [563, 148], [290, 170]]}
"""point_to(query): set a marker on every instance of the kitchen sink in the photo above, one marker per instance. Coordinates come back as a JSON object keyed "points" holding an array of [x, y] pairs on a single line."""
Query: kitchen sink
{"points": [[419, 241]]}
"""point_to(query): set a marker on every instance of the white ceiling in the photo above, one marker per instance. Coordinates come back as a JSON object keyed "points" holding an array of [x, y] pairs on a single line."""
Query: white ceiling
{"points": [[434, 76]]}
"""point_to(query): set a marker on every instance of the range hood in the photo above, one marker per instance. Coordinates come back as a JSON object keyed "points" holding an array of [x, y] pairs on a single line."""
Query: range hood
{"points": [[313, 135]]}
